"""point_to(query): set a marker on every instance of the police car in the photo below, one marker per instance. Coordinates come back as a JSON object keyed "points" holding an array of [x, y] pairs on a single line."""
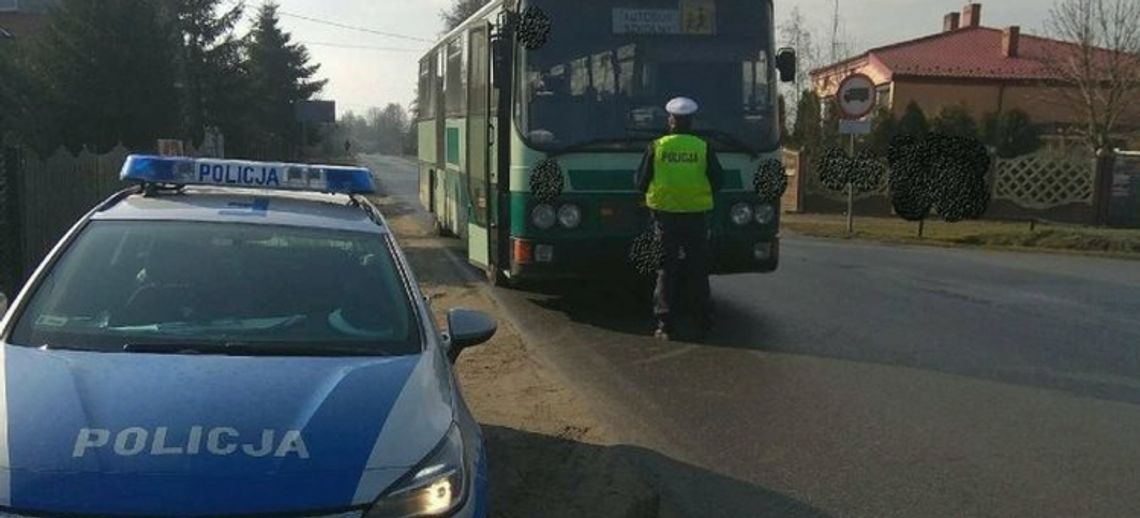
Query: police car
{"points": [[234, 339]]}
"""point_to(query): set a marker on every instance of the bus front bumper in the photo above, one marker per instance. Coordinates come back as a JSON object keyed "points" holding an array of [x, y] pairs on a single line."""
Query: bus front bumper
{"points": [[608, 258]]}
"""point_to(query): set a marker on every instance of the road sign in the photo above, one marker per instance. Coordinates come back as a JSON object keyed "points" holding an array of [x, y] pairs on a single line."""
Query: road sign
{"points": [[854, 127], [856, 96]]}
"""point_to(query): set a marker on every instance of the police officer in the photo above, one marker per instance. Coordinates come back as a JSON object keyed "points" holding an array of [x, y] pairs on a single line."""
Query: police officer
{"points": [[679, 175]]}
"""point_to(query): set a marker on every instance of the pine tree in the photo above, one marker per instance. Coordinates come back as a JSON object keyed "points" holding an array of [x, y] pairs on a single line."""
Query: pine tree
{"points": [[884, 128], [210, 69], [104, 75], [806, 129], [280, 77], [913, 122], [955, 121], [1011, 134]]}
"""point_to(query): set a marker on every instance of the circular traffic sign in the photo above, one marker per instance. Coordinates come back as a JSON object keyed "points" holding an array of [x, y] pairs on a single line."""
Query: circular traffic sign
{"points": [[856, 96]]}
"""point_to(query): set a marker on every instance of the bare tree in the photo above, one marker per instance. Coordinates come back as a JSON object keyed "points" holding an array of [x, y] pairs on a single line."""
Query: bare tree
{"points": [[460, 10], [795, 33], [1098, 74]]}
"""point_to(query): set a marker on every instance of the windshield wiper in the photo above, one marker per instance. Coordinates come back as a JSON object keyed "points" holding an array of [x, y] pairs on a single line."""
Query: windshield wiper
{"points": [[729, 140], [246, 349]]}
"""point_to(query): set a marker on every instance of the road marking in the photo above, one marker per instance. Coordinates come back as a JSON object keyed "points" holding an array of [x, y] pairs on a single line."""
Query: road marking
{"points": [[666, 356]]}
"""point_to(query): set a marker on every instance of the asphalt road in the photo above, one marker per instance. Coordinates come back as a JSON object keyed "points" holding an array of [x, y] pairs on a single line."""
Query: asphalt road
{"points": [[869, 380]]}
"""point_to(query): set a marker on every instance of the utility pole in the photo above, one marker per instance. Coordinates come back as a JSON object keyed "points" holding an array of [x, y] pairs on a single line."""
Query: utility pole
{"points": [[835, 34]]}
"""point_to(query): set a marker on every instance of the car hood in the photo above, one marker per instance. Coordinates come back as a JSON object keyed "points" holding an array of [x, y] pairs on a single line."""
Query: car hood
{"points": [[140, 434]]}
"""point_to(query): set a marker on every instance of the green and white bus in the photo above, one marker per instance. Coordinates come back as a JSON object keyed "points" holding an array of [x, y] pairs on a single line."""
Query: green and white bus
{"points": [[492, 110]]}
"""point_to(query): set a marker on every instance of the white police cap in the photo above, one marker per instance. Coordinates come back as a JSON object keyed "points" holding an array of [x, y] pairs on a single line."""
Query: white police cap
{"points": [[682, 106]]}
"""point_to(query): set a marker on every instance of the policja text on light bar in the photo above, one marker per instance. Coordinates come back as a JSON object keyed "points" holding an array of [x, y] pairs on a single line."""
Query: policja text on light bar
{"points": [[247, 174]]}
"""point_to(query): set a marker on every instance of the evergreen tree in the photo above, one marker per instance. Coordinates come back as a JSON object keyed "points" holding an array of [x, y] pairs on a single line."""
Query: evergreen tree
{"points": [[280, 77], [913, 122], [210, 69], [956, 121], [884, 128], [9, 91], [104, 75], [782, 114], [806, 129], [829, 132], [1011, 134]]}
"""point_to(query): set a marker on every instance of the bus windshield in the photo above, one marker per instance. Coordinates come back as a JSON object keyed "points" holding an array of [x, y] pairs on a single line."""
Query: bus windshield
{"points": [[609, 68]]}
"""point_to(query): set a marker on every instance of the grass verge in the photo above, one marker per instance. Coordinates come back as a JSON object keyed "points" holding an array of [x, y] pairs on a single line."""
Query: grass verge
{"points": [[988, 234]]}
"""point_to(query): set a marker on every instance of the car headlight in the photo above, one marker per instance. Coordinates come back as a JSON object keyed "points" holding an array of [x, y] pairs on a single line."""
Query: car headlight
{"points": [[436, 488], [741, 214], [570, 216], [543, 216], [765, 213]]}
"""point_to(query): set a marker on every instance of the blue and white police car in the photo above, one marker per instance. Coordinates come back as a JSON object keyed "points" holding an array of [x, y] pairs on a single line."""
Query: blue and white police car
{"points": [[234, 339]]}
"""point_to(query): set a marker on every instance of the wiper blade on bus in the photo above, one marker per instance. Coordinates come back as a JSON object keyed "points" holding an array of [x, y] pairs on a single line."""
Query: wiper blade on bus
{"points": [[595, 143], [729, 140]]}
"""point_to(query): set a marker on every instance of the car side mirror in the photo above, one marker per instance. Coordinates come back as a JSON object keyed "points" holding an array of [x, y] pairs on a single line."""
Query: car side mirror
{"points": [[786, 64], [466, 329]]}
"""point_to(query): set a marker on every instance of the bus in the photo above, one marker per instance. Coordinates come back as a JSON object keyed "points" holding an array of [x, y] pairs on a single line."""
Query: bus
{"points": [[496, 110]]}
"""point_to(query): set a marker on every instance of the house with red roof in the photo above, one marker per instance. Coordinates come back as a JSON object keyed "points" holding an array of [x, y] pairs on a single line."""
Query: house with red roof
{"points": [[986, 69]]}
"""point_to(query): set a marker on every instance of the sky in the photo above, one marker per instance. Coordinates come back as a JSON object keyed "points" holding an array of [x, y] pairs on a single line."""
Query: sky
{"points": [[366, 69]]}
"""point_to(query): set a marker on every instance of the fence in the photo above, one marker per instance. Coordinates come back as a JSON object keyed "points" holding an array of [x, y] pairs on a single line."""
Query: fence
{"points": [[1049, 185], [1125, 208], [42, 198], [11, 243]]}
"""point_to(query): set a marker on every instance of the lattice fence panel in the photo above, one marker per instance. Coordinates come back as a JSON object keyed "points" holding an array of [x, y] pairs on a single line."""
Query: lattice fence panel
{"points": [[1045, 180]]}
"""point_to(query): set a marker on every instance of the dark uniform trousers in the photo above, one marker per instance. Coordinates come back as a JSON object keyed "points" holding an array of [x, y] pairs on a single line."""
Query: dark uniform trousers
{"points": [[685, 238]]}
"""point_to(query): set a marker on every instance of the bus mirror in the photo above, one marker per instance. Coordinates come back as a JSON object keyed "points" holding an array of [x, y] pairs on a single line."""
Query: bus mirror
{"points": [[500, 50], [786, 64]]}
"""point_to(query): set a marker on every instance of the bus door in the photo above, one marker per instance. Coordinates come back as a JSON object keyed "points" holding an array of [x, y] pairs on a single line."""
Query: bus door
{"points": [[479, 178], [439, 172]]}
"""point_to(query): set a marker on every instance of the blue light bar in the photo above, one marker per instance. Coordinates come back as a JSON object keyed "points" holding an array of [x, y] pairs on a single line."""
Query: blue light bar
{"points": [[246, 174]]}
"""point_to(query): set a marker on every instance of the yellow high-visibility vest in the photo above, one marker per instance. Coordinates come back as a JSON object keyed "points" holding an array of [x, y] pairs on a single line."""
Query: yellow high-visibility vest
{"points": [[680, 176]]}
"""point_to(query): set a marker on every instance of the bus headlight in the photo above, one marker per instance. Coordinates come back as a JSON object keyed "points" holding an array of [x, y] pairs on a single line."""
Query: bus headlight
{"points": [[543, 216], [741, 214], [570, 216], [436, 488], [765, 213]]}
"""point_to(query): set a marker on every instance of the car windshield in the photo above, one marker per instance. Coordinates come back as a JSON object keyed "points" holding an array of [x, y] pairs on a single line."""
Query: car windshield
{"points": [[267, 289], [607, 72]]}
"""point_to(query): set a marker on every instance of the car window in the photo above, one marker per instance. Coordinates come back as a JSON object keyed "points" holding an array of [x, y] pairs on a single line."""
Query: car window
{"points": [[260, 286]]}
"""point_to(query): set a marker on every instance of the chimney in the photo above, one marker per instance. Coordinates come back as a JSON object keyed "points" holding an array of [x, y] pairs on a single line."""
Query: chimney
{"points": [[1011, 41], [972, 16], [951, 21]]}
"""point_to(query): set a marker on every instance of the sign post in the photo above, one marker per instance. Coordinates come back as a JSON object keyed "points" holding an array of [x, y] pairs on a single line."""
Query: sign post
{"points": [[856, 99]]}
